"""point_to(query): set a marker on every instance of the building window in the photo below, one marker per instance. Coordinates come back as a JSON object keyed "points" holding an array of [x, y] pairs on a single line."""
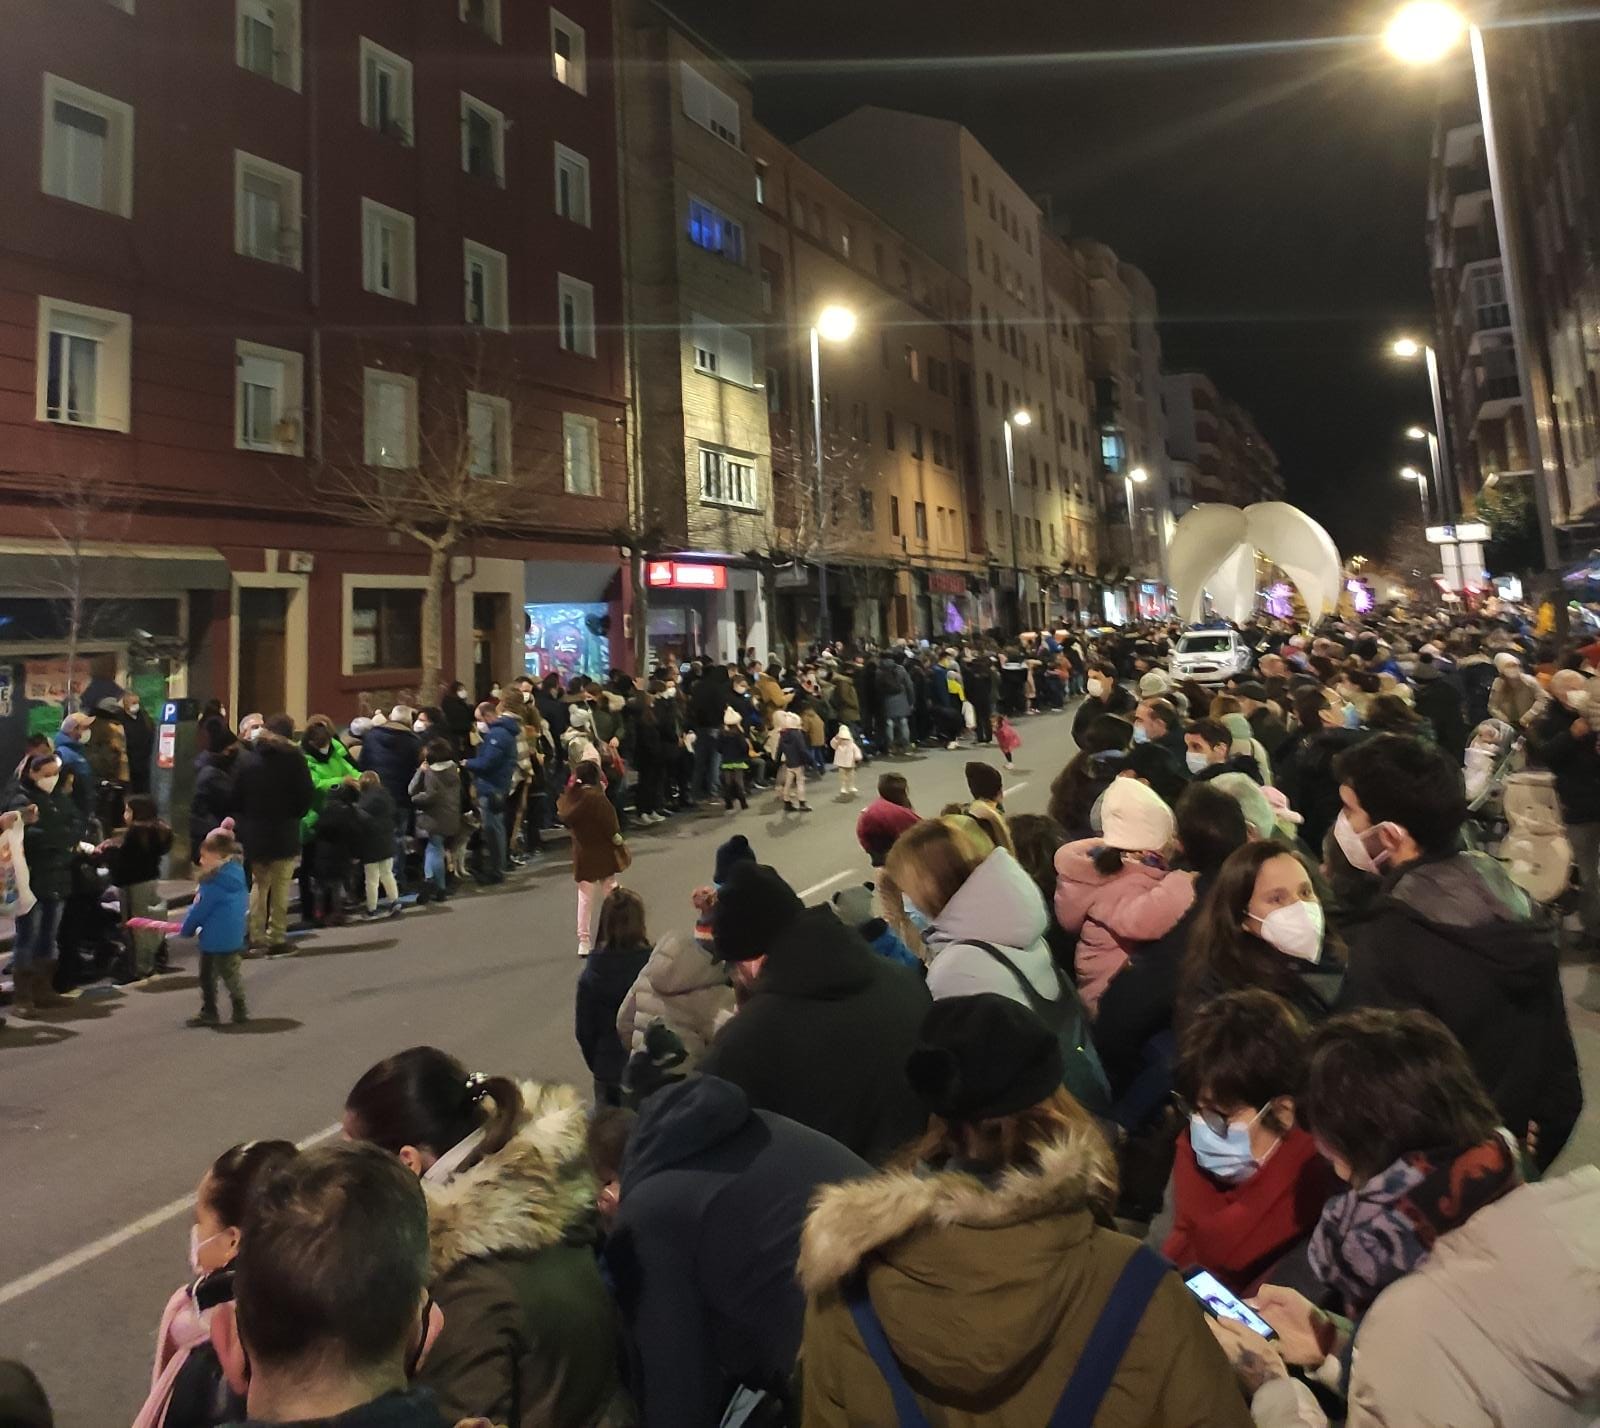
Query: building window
{"points": [[580, 454], [386, 87], [888, 430], [761, 181], [267, 39], [385, 629], [766, 291], [708, 106], [920, 514], [572, 185], [977, 195], [710, 228], [913, 364], [266, 223], [84, 365], [485, 274], [390, 401], [575, 315], [988, 387], [388, 252], [488, 437], [483, 16], [980, 254], [776, 402], [869, 517], [569, 53], [916, 441], [846, 238], [483, 140], [894, 516], [88, 147], [727, 480], [722, 351], [269, 396]]}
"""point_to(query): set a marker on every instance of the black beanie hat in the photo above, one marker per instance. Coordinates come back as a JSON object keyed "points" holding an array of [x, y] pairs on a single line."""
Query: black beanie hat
{"points": [[752, 907], [984, 781], [735, 851], [981, 1057]]}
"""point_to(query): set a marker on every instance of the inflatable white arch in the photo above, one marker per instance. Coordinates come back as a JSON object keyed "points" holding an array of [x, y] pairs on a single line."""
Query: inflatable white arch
{"points": [[1213, 552]]}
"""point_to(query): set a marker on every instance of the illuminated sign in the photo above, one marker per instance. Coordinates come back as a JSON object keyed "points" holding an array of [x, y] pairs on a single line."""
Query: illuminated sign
{"points": [[674, 575]]}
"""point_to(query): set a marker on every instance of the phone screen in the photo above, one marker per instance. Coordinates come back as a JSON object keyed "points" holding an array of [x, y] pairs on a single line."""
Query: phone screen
{"points": [[1222, 1303]]}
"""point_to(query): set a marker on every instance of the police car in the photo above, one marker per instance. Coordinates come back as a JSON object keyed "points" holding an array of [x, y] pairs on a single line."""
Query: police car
{"points": [[1210, 656]]}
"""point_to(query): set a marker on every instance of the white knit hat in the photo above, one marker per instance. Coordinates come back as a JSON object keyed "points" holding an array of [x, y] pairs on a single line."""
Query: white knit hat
{"points": [[1134, 818]]}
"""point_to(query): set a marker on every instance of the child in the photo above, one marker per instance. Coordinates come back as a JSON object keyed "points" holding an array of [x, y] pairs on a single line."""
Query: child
{"points": [[622, 947], [846, 758], [436, 795], [985, 783], [1008, 739], [377, 809], [333, 849], [219, 913], [816, 733], [793, 757], [136, 870], [734, 749], [198, 1342]]}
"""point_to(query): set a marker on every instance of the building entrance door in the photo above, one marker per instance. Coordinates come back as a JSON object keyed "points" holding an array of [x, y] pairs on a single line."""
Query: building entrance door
{"points": [[263, 650]]}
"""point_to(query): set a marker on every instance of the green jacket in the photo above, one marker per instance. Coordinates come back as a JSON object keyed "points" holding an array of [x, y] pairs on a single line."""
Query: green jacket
{"points": [[47, 843], [328, 769]]}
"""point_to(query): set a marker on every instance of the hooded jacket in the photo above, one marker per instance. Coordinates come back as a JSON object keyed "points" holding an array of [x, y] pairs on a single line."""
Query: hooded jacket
{"points": [[1000, 904], [892, 686], [1513, 697], [529, 1338], [1456, 937], [494, 766], [703, 1251], [212, 799], [987, 1293], [272, 793], [220, 910], [435, 791], [681, 987], [824, 1037]]}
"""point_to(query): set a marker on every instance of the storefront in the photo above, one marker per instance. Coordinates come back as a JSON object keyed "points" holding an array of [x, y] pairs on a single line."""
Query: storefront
{"points": [[570, 615], [946, 608], [703, 607]]}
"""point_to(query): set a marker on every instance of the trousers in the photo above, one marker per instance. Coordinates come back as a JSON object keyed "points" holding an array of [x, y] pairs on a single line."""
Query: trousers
{"points": [[380, 874], [269, 901], [226, 966], [590, 897]]}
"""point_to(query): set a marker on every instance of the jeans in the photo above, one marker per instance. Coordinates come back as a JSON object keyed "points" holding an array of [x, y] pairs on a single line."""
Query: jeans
{"points": [[492, 813], [225, 965], [899, 732], [590, 897], [707, 763], [433, 861], [36, 934], [1585, 840], [381, 874], [269, 901]]}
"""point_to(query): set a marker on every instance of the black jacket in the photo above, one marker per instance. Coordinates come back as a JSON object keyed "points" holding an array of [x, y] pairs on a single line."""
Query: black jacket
{"points": [[1234, 763], [1440, 703], [415, 1409], [825, 1035], [703, 1252], [339, 834], [709, 698], [140, 734], [603, 985], [140, 854], [271, 793], [1574, 762], [212, 800], [1120, 703], [1305, 774], [1454, 936], [48, 842], [392, 752], [1270, 731], [378, 814]]}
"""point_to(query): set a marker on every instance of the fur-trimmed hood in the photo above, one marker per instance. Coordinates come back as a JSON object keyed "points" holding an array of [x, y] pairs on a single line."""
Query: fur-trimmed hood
{"points": [[530, 1195]]}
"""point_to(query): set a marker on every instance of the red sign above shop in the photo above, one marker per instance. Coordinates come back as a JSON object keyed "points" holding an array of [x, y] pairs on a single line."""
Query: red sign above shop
{"points": [[942, 583], [674, 575]]}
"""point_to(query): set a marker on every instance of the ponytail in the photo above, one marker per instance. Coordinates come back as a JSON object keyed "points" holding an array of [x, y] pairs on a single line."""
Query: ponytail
{"points": [[426, 1098], [504, 1109]]}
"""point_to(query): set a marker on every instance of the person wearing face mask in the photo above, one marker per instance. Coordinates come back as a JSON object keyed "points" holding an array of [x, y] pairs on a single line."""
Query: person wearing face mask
{"points": [[200, 1375], [1516, 694], [139, 734], [1261, 925], [1452, 934], [1304, 767], [51, 829], [1247, 1182], [1105, 696], [1562, 739], [1156, 722], [1208, 752]]}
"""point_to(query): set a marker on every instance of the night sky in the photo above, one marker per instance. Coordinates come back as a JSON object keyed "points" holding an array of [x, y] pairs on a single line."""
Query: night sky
{"points": [[1264, 162]]}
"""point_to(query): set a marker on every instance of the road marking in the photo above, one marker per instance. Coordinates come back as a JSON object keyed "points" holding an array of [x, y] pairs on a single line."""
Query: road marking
{"points": [[1016, 788], [106, 1243], [808, 892]]}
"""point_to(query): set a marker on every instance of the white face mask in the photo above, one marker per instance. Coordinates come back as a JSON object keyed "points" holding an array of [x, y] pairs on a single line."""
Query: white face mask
{"points": [[48, 783], [1295, 930], [1096, 688], [1363, 851], [420, 727], [483, 726], [1197, 763], [133, 709], [196, 1244]]}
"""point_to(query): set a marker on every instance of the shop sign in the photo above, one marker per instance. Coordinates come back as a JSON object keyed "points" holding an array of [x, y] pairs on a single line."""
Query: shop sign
{"points": [[45, 680], [676, 575], [166, 746], [6, 688], [942, 582]]}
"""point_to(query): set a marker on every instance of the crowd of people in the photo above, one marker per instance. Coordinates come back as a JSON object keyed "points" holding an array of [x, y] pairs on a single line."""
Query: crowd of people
{"points": [[1227, 1091]]}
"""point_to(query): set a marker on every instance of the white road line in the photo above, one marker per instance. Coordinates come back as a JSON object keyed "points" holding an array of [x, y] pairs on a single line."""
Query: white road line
{"points": [[106, 1243], [1016, 788], [804, 894]]}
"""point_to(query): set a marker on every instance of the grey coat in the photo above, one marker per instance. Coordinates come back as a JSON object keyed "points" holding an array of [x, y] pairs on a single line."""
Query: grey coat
{"points": [[682, 987], [436, 795]]}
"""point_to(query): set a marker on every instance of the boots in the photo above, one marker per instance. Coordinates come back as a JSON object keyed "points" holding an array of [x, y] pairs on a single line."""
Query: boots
{"points": [[45, 995], [22, 994]]}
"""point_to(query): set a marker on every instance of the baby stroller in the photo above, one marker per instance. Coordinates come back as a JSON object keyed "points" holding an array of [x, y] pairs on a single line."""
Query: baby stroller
{"points": [[1495, 754], [1535, 849]]}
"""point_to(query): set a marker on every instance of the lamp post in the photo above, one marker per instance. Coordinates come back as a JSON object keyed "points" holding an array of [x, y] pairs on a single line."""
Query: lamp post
{"points": [[1410, 473], [1424, 32], [836, 324], [1019, 418], [1137, 476], [1419, 433], [1408, 349]]}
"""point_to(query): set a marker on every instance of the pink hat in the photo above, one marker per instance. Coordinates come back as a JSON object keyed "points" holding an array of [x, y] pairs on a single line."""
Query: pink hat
{"points": [[1280, 806]]}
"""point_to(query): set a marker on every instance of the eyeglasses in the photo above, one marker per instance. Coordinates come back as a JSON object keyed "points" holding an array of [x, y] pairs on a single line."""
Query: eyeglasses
{"points": [[1213, 1120]]}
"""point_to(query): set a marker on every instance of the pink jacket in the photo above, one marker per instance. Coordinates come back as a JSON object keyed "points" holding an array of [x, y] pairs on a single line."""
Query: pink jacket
{"points": [[183, 1329], [1112, 914]]}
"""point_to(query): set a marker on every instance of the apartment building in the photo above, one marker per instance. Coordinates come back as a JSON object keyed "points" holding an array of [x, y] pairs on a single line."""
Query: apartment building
{"points": [[1217, 439], [262, 265], [890, 512], [699, 446]]}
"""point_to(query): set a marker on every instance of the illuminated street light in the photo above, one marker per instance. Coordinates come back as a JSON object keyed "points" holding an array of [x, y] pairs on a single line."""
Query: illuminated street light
{"points": [[1022, 417], [1424, 31], [1416, 433], [1018, 419], [1410, 473], [1407, 347], [1138, 475], [836, 324]]}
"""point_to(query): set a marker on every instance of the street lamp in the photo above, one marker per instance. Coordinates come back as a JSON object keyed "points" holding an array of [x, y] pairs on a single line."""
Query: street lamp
{"points": [[836, 324], [1407, 349], [1418, 433], [1424, 31], [1410, 473], [1137, 476], [1022, 417]]}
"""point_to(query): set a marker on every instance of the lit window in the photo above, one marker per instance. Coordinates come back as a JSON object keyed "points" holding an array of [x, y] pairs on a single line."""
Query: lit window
{"points": [[391, 419], [388, 252], [386, 92], [727, 480], [266, 210], [761, 181], [483, 16], [722, 351], [568, 53], [580, 454], [84, 365], [572, 185], [921, 516], [488, 437], [575, 315], [487, 301], [88, 147], [267, 39], [268, 399], [483, 140], [713, 230], [708, 106]]}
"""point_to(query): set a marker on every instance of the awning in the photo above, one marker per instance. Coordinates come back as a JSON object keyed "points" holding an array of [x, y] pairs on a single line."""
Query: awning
{"points": [[41, 568], [569, 582]]}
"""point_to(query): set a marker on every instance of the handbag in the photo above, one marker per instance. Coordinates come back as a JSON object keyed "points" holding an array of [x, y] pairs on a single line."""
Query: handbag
{"points": [[623, 853]]}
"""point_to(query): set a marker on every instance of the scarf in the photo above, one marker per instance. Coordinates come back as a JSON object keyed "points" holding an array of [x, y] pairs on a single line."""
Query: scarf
{"points": [[1378, 1232]]}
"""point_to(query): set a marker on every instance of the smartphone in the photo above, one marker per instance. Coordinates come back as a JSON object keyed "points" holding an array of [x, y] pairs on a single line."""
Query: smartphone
{"points": [[1222, 1303]]}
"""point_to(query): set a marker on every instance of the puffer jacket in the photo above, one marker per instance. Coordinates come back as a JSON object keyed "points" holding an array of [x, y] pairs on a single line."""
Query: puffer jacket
{"points": [[1113, 913], [49, 840], [494, 766], [435, 791], [933, 1246], [329, 768], [1000, 904], [529, 1338], [681, 987], [1514, 698]]}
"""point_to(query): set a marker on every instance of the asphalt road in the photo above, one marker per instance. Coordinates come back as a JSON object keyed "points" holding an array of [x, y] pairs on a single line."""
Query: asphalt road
{"points": [[110, 1113]]}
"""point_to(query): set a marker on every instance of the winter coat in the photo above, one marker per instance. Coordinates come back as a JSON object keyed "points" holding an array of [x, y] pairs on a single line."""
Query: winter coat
{"points": [[846, 700], [1440, 703], [824, 1037], [987, 1294], [435, 791], [1511, 699], [733, 747], [457, 714], [684, 989], [846, 752], [793, 751], [138, 855], [1113, 913], [1270, 731], [1456, 937], [212, 800], [220, 910], [1305, 774], [709, 698], [529, 1338], [494, 766], [1120, 702], [272, 794], [337, 841], [880, 823], [603, 985], [703, 1251], [1476, 674], [140, 735], [892, 686], [592, 820], [999, 904], [329, 768], [48, 842], [816, 731], [74, 761], [771, 696], [377, 824], [1574, 762], [391, 751]]}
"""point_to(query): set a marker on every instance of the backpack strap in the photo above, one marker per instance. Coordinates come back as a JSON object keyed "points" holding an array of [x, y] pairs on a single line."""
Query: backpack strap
{"points": [[1041, 1005], [907, 1412], [1108, 1341]]}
